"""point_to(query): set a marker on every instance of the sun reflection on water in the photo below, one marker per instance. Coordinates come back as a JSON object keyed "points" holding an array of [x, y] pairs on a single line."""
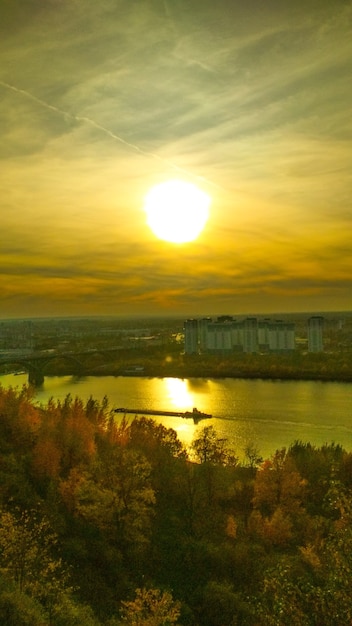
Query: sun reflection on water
{"points": [[178, 393]]}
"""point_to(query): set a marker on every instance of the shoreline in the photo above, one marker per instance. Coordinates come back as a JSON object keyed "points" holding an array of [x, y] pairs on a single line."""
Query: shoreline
{"points": [[274, 371], [206, 375]]}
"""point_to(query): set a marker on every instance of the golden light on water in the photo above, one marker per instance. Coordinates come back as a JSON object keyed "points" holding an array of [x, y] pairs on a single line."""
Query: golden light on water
{"points": [[180, 397]]}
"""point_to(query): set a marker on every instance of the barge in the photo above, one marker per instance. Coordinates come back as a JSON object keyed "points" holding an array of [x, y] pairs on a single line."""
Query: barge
{"points": [[195, 414]]}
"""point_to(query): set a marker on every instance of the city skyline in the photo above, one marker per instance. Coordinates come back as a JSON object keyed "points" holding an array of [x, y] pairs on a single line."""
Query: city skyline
{"points": [[102, 101]]}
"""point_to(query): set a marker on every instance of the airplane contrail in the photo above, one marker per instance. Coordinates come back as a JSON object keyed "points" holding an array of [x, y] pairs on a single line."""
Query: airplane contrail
{"points": [[107, 131]]}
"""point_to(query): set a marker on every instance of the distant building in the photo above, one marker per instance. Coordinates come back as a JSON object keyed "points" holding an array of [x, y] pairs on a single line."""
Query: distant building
{"points": [[249, 335], [203, 332], [264, 335], [191, 336], [281, 336], [219, 337], [315, 333]]}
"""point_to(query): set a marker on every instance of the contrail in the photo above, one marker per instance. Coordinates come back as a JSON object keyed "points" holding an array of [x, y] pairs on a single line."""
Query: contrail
{"points": [[88, 120]]}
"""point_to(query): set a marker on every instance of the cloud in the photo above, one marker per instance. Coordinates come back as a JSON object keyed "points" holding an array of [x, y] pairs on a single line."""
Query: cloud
{"points": [[251, 101]]}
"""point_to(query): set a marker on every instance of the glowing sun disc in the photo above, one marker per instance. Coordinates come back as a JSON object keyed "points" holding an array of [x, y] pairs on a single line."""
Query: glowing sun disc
{"points": [[177, 211]]}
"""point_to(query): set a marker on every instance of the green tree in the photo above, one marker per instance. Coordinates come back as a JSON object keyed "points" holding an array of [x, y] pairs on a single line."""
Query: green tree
{"points": [[19, 609], [319, 467], [313, 587], [210, 482], [281, 601], [67, 612], [27, 557], [221, 604]]}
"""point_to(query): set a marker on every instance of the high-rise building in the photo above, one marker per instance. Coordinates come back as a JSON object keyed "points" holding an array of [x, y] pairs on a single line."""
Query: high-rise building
{"points": [[315, 333], [191, 336], [219, 337], [226, 334], [264, 335], [250, 334], [203, 332], [281, 336]]}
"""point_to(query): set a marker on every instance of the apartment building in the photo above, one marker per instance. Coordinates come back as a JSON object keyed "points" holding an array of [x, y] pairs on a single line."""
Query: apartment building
{"points": [[315, 333], [191, 336], [249, 335]]}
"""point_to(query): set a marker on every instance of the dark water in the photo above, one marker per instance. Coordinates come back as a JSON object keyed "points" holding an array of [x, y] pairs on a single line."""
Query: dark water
{"points": [[269, 414]]}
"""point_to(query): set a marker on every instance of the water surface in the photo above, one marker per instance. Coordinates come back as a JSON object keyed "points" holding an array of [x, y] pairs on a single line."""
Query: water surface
{"points": [[270, 414]]}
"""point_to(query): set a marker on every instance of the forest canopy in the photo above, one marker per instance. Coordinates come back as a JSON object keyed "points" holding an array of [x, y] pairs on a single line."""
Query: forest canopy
{"points": [[106, 522]]}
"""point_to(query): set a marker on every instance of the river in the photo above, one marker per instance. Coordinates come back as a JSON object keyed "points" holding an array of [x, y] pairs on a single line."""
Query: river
{"points": [[269, 414]]}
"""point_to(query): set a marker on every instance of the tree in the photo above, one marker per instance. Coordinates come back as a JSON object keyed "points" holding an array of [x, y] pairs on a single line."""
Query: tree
{"points": [[222, 605], [278, 483], [19, 609], [27, 557], [151, 607], [281, 601], [162, 448], [319, 467], [115, 495], [278, 529], [67, 612], [77, 435], [313, 588], [209, 448], [150, 437], [19, 418], [65, 437], [252, 455]]}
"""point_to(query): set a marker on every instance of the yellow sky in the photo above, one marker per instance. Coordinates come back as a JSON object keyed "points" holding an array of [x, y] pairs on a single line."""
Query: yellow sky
{"points": [[101, 101]]}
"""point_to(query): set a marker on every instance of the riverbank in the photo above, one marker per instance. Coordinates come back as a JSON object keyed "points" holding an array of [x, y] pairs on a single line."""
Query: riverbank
{"points": [[215, 374], [162, 363], [270, 371], [289, 366]]}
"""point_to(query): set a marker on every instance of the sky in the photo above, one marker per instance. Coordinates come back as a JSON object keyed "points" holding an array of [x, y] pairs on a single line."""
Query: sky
{"points": [[100, 101]]}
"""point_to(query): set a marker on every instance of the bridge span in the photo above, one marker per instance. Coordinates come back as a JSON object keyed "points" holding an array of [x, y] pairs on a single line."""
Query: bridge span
{"points": [[36, 362]]}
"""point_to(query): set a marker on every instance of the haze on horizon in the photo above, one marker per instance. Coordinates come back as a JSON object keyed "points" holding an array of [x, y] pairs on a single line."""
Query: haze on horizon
{"points": [[101, 101]]}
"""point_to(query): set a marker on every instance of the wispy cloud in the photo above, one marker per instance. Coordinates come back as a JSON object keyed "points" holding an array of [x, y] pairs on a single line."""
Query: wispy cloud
{"points": [[101, 102]]}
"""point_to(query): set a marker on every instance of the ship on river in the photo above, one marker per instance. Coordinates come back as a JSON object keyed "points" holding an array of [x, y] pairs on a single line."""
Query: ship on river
{"points": [[195, 414]]}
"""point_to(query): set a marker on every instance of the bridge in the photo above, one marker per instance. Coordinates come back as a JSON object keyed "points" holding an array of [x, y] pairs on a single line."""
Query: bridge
{"points": [[36, 362]]}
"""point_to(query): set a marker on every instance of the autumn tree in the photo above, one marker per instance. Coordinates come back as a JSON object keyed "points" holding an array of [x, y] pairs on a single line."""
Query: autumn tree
{"points": [[19, 418], [151, 607], [278, 501], [77, 434], [115, 495], [209, 448], [278, 483], [252, 455], [152, 438], [67, 437]]}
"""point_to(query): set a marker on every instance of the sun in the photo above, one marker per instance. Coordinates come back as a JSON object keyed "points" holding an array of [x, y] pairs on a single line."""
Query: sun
{"points": [[177, 211]]}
